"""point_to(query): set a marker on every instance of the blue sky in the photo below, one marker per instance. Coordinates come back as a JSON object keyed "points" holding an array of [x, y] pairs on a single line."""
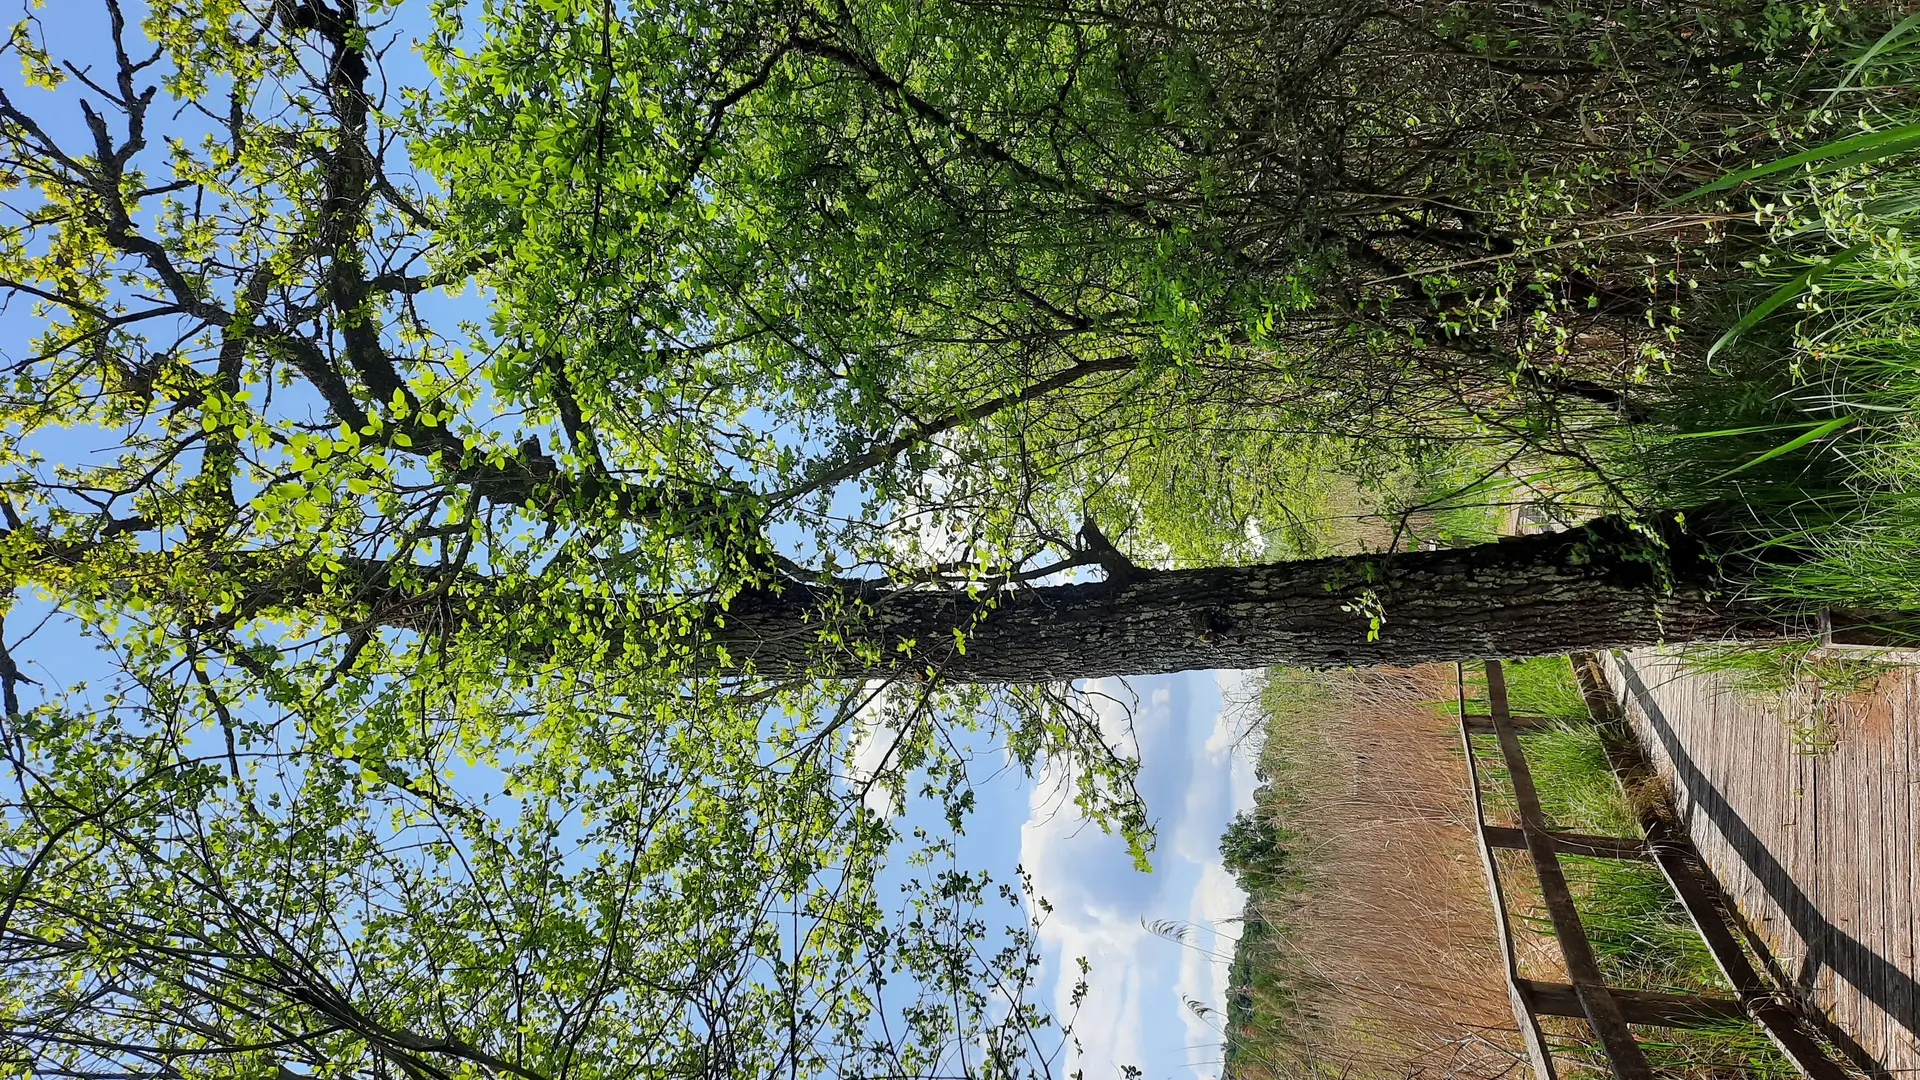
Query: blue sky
{"points": [[1196, 771], [1191, 734]]}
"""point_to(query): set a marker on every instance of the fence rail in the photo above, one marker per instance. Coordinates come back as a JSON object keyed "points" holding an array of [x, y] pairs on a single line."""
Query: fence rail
{"points": [[1610, 1010]]}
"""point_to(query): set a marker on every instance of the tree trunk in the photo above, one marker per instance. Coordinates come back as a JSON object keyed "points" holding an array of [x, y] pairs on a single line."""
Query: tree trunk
{"points": [[1596, 587], [1603, 585]]}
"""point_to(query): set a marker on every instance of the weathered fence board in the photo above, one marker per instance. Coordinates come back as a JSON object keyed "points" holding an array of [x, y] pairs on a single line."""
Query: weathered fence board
{"points": [[1583, 970], [1638, 1006], [1569, 843], [1526, 1016]]}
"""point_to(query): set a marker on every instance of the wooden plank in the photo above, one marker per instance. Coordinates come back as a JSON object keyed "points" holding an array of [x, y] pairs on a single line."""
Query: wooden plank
{"points": [[1583, 970], [1803, 864], [1482, 723], [1571, 843], [1828, 888], [1525, 1016], [1910, 776], [1907, 742], [1893, 935], [1700, 895], [1641, 1006], [1867, 800]]}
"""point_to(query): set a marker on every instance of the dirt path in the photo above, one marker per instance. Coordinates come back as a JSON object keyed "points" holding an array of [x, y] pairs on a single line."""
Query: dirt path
{"points": [[1818, 849]]}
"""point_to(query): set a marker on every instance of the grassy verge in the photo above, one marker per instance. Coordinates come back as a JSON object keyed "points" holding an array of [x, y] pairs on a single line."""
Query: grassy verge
{"points": [[1793, 414], [1366, 949], [1807, 687]]}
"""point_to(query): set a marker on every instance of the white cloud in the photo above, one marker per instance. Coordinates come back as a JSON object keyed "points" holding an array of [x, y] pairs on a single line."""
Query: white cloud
{"points": [[1195, 774], [875, 731], [1206, 968]]}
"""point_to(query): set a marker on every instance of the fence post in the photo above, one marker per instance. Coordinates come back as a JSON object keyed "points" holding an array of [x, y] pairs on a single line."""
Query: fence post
{"points": [[1583, 970]]}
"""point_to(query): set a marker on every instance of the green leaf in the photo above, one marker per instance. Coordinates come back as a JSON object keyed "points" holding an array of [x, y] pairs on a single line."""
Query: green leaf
{"points": [[1790, 446], [1781, 295], [1728, 432], [1866, 146]]}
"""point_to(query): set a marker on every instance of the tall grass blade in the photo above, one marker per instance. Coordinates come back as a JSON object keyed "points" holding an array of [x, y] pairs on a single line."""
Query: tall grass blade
{"points": [[1891, 206], [1781, 295], [1848, 161], [1886, 39], [1726, 432], [1789, 446], [1866, 146]]}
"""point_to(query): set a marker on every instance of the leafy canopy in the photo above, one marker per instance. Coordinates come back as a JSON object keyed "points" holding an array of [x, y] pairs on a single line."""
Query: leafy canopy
{"points": [[456, 398]]}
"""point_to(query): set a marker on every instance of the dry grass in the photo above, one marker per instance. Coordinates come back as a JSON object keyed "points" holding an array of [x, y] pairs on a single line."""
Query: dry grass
{"points": [[1388, 938]]}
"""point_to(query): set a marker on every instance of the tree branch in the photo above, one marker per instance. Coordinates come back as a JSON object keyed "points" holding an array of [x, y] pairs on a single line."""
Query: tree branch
{"points": [[882, 453]]}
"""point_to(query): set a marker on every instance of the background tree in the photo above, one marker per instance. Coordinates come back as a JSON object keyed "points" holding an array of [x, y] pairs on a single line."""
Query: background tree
{"points": [[1254, 849]]}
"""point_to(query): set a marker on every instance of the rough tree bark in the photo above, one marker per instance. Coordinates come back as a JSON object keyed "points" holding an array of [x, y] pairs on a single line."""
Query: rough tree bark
{"points": [[1595, 587]]}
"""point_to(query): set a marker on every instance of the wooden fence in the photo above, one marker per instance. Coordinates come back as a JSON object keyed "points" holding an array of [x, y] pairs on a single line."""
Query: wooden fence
{"points": [[1609, 1010]]}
